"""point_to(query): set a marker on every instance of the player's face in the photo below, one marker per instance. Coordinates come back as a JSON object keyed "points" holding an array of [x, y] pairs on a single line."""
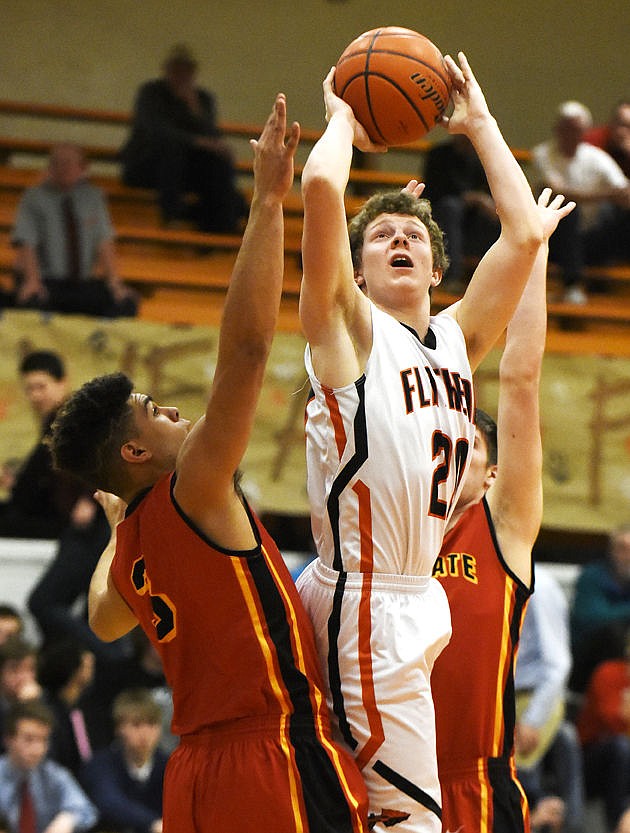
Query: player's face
{"points": [[396, 257], [479, 474], [160, 428]]}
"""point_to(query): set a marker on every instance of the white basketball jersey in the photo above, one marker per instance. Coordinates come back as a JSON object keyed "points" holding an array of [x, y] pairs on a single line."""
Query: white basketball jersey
{"points": [[387, 455]]}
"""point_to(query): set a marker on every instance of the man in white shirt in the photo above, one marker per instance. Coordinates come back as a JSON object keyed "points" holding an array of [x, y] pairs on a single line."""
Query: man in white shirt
{"points": [[588, 175]]}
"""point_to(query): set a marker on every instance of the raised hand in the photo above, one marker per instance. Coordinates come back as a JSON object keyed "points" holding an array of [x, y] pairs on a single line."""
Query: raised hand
{"points": [[334, 104], [552, 212], [468, 99], [273, 156]]}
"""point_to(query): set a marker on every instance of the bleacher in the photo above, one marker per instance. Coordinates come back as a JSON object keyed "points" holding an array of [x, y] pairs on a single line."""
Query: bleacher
{"points": [[182, 274]]}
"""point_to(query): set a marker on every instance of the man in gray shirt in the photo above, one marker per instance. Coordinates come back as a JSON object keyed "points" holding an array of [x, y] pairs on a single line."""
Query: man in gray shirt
{"points": [[62, 234]]}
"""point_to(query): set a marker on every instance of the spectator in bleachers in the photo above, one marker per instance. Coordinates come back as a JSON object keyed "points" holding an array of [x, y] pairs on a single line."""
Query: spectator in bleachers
{"points": [[604, 726], [11, 622], [36, 794], [176, 147], [600, 612], [141, 667], [548, 752], [571, 166], [456, 185], [64, 238], [18, 677], [125, 781], [65, 671], [614, 137], [42, 502]]}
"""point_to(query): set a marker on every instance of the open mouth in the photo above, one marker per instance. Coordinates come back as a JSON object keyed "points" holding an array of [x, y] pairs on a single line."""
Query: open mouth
{"points": [[401, 261]]}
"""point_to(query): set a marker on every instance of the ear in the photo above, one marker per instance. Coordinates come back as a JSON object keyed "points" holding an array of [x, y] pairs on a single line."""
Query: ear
{"points": [[359, 279], [436, 277], [491, 476], [133, 452]]}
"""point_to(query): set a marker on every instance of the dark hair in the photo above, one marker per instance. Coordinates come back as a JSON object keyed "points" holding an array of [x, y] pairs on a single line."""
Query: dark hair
{"points": [[27, 710], [45, 361], [488, 427], [8, 611], [58, 662], [396, 202], [16, 649], [90, 428]]}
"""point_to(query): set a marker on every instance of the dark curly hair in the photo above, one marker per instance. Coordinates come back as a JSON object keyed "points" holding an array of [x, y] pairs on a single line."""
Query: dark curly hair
{"points": [[397, 202], [90, 429]]}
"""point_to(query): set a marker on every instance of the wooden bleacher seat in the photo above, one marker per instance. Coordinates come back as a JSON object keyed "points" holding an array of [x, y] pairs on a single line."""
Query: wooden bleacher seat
{"points": [[182, 274]]}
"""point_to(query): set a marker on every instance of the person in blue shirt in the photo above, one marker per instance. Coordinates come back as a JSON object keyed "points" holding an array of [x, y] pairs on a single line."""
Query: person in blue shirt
{"points": [[32, 784], [125, 780]]}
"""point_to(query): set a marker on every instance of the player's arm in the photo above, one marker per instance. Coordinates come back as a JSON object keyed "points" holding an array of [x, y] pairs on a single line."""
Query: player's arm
{"points": [[498, 281], [330, 302], [515, 499], [109, 615], [215, 446]]}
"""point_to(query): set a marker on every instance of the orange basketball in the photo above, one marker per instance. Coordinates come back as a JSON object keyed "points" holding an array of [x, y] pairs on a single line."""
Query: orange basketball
{"points": [[396, 82]]}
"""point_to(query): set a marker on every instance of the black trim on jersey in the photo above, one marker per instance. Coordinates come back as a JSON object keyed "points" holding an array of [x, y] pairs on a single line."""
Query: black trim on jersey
{"points": [[340, 483], [334, 676], [325, 802], [430, 341], [408, 787], [529, 590], [136, 501], [521, 596], [348, 472], [201, 534]]}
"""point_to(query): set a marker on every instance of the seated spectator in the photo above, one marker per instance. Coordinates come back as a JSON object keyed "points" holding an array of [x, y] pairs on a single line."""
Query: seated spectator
{"points": [[176, 146], [18, 677], [614, 137], [42, 501], [548, 753], [604, 727], [63, 236], [597, 231], [141, 667], [600, 612], [456, 185], [37, 794], [65, 671], [11, 622], [125, 781]]}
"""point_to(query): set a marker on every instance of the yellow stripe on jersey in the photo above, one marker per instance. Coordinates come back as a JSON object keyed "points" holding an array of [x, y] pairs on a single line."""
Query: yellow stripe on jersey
{"points": [[320, 706], [504, 655], [276, 686], [483, 796]]}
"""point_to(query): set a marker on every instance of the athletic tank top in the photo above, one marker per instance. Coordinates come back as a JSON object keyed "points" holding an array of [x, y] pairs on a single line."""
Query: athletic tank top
{"points": [[386, 456], [473, 678], [229, 626]]}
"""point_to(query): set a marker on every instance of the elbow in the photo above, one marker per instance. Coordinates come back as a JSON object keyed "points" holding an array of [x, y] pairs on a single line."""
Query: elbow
{"points": [[316, 183]]}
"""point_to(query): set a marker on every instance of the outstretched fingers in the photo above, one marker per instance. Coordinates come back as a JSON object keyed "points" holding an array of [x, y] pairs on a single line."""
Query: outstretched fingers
{"points": [[414, 188]]}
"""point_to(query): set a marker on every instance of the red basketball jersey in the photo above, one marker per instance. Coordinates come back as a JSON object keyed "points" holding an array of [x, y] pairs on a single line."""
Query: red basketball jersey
{"points": [[230, 628], [473, 678]]}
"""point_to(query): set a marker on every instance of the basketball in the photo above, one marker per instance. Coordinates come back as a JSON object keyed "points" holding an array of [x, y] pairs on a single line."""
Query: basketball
{"points": [[396, 82]]}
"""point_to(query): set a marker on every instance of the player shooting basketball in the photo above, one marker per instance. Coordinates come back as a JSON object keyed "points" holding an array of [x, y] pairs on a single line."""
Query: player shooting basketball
{"points": [[390, 434]]}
